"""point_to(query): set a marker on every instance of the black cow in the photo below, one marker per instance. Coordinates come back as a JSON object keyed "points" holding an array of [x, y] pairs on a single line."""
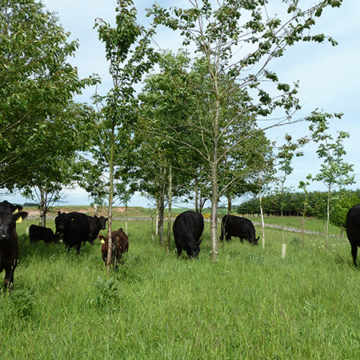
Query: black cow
{"points": [[9, 243], [8, 207], [96, 224], [187, 229], [73, 228], [353, 230], [37, 233], [239, 227]]}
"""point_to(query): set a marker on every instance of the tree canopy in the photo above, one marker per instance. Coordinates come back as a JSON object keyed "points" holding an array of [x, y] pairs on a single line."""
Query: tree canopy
{"points": [[37, 85]]}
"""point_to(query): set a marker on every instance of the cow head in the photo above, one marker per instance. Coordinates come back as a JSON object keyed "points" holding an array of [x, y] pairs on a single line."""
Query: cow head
{"points": [[102, 221], [8, 223], [255, 242], [60, 223], [193, 249], [55, 239], [8, 207]]}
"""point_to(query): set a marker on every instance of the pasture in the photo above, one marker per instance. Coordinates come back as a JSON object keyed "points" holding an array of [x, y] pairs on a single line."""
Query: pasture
{"points": [[250, 304]]}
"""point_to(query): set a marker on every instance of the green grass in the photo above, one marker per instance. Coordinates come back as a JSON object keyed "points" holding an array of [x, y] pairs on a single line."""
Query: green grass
{"points": [[311, 224], [250, 304]]}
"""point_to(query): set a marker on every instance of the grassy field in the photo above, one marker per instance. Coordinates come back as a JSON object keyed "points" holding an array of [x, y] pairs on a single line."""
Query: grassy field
{"points": [[250, 304], [312, 224]]}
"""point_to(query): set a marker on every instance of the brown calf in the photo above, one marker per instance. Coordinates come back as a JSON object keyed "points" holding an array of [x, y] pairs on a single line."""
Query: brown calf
{"points": [[120, 245]]}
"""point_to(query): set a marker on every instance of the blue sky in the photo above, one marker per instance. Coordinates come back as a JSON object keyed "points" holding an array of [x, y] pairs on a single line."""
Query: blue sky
{"points": [[329, 76]]}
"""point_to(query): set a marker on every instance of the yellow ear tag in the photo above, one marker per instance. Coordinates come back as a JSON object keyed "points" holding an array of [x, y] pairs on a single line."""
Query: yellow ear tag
{"points": [[72, 219], [19, 220], [102, 241]]}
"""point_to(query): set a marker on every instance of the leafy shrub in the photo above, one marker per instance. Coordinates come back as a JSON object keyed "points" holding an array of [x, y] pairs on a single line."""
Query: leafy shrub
{"points": [[106, 290], [295, 241], [23, 302]]}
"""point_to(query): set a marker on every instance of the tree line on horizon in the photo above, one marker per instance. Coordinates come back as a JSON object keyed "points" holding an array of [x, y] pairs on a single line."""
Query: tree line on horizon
{"points": [[292, 203]]}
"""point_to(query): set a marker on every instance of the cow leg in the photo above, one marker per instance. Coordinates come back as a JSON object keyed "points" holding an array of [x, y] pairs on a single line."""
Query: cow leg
{"points": [[78, 246], [179, 250], [241, 240], [354, 253], [13, 267], [222, 234], [9, 274], [228, 237]]}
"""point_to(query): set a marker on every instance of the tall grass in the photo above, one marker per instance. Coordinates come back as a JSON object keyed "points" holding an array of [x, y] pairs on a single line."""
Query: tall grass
{"points": [[250, 304]]}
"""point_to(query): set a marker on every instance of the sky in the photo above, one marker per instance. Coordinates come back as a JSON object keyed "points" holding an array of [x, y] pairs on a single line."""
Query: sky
{"points": [[329, 76]]}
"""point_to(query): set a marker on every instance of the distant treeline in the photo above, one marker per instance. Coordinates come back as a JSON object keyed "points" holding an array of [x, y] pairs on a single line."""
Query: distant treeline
{"points": [[293, 203], [28, 204]]}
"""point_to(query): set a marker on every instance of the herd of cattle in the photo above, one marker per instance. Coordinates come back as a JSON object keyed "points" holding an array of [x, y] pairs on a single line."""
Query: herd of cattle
{"points": [[75, 229]]}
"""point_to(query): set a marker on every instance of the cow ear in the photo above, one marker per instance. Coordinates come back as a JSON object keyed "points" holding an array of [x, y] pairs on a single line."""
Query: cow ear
{"points": [[18, 208], [101, 237], [106, 219], [59, 212], [21, 214]]}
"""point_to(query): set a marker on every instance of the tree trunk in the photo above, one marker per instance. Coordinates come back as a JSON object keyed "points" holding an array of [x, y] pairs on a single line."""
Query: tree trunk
{"points": [[43, 207], [169, 214], [197, 195], [283, 251], [229, 204], [126, 216], [262, 221], [303, 223], [111, 194], [152, 228], [213, 219], [327, 218], [157, 217], [161, 215], [214, 179]]}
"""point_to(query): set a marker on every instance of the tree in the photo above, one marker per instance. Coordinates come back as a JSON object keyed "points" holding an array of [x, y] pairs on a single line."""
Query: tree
{"points": [[45, 178], [235, 40], [303, 185], [37, 84], [343, 201], [128, 52], [166, 102], [334, 172], [285, 155]]}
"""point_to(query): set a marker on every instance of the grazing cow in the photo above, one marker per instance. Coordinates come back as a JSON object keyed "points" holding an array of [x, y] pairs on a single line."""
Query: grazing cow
{"points": [[120, 245], [37, 233], [239, 227], [9, 243], [187, 229], [96, 224], [353, 230], [73, 228], [8, 207]]}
